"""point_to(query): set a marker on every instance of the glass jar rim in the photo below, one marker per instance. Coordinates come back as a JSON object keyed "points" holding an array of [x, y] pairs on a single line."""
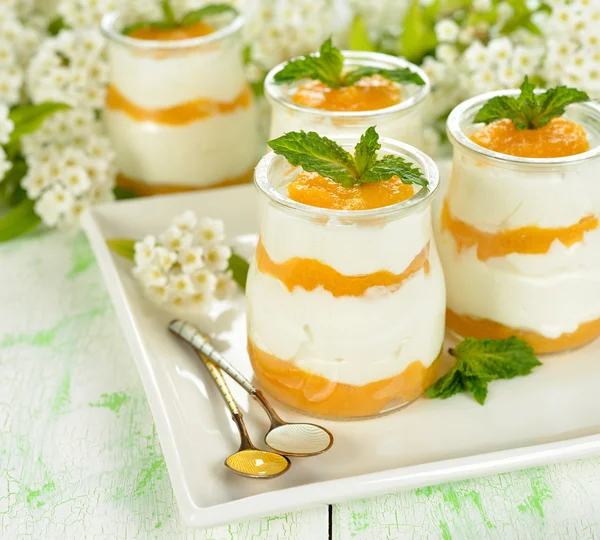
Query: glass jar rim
{"points": [[400, 209], [468, 108], [275, 93], [109, 21]]}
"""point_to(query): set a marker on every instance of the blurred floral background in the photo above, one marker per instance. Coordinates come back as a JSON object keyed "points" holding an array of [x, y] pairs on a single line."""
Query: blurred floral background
{"points": [[55, 159]]}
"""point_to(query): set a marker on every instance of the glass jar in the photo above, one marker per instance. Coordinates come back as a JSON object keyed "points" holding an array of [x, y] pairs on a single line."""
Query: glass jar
{"points": [[519, 238], [180, 113], [402, 122], [345, 308]]}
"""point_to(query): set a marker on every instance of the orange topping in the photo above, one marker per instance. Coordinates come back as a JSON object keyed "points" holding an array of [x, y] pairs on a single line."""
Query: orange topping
{"points": [[558, 138], [526, 240], [317, 395], [184, 113], [144, 189], [309, 274], [313, 189], [172, 34], [368, 94], [466, 326]]}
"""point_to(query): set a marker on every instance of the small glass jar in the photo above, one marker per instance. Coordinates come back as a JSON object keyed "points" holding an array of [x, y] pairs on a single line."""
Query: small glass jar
{"points": [[180, 113], [345, 308], [519, 238], [402, 122]]}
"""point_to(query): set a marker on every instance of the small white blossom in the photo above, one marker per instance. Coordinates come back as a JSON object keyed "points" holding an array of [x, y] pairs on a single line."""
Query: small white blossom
{"points": [[151, 275], [186, 222], [217, 258], [175, 239], [190, 259], [144, 251], [211, 231], [204, 281], [447, 30], [225, 286], [165, 258], [5, 165], [6, 125]]}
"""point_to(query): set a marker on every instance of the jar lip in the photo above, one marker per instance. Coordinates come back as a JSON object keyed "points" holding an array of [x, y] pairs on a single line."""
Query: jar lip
{"points": [[110, 20], [276, 93], [423, 196], [469, 106]]}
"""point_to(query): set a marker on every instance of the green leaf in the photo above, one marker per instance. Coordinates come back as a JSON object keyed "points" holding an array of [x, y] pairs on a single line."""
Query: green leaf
{"points": [[239, 269], [19, 220], [400, 75], [365, 153], [317, 154], [326, 67], [56, 25], [480, 361], [207, 11], [388, 166], [122, 193], [10, 186], [359, 36], [418, 36], [125, 247], [530, 110], [168, 14], [28, 118]]}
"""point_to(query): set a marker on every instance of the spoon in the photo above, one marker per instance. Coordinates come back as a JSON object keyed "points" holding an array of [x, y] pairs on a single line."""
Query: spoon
{"points": [[292, 439], [248, 461]]}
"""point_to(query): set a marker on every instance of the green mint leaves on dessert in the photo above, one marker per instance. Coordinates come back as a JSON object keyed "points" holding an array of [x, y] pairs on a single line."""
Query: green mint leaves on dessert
{"points": [[530, 110], [315, 153], [328, 67], [170, 21], [480, 361]]}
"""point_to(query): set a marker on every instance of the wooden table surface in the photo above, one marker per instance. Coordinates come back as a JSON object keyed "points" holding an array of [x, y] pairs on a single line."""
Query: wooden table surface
{"points": [[80, 458]]}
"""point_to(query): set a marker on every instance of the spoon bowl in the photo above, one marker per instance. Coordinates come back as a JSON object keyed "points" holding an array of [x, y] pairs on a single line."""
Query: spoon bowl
{"points": [[254, 463], [299, 440]]}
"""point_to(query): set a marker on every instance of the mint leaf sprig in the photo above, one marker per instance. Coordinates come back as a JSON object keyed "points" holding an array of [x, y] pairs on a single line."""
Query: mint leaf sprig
{"points": [[328, 67], [480, 361], [315, 153], [169, 21], [530, 110]]}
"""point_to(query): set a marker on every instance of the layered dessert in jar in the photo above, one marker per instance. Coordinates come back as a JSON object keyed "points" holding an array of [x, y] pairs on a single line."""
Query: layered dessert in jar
{"points": [[352, 91], [518, 234], [179, 109], [346, 299]]}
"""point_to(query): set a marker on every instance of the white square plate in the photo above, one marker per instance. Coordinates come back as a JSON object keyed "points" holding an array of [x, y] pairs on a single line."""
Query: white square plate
{"points": [[549, 416]]}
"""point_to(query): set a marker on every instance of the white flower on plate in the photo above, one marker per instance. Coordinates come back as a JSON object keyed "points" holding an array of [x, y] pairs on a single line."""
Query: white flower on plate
{"points": [[200, 300], [190, 259], [76, 180], [447, 31], [187, 221], [181, 284], [165, 258], [211, 231], [204, 281], [158, 293], [175, 239], [151, 275], [225, 286], [54, 202], [217, 258], [144, 251]]}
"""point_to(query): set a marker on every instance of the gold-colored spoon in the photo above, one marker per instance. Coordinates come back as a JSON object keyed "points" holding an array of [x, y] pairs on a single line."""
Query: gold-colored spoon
{"points": [[248, 461], [292, 439]]}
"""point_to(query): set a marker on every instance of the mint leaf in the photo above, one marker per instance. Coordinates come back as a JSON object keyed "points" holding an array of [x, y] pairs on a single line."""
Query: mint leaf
{"points": [[530, 110], [317, 154], [168, 14], [125, 247], [388, 166], [365, 152], [239, 269], [480, 361], [324, 156], [326, 67], [207, 11], [28, 118], [399, 75], [19, 220], [359, 36]]}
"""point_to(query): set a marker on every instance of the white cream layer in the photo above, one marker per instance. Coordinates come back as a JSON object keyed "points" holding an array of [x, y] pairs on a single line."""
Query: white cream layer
{"points": [[407, 127], [349, 249], [164, 78], [202, 153], [494, 199], [351, 340]]}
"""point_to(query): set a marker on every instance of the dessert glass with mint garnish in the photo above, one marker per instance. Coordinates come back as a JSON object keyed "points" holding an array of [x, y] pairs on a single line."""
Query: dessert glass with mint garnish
{"points": [[338, 92], [519, 234], [346, 298], [179, 109]]}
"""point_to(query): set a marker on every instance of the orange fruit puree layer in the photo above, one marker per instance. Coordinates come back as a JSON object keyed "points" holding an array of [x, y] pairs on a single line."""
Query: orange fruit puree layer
{"points": [[525, 240], [178, 115], [558, 138], [313, 189], [144, 189], [317, 395], [368, 94], [172, 34], [309, 274], [466, 326]]}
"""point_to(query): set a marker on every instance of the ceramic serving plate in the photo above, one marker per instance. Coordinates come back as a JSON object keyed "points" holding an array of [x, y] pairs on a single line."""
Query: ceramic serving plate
{"points": [[549, 416]]}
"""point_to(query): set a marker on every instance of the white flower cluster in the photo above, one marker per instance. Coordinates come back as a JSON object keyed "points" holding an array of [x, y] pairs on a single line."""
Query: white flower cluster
{"points": [[381, 17], [186, 265], [71, 166], [6, 128], [71, 68]]}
